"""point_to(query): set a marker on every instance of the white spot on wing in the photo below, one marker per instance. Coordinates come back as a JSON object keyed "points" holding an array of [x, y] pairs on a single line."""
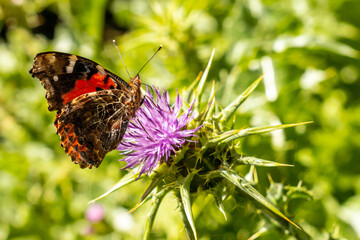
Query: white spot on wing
{"points": [[72, 61], [69, 69], [100, 68]]}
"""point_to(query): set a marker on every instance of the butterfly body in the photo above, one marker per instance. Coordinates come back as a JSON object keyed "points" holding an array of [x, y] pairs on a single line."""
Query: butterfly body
{"points": [[94, 106]]}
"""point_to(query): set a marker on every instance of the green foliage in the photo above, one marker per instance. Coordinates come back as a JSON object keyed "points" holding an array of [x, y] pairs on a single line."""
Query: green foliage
{"points": [[309, 51]]}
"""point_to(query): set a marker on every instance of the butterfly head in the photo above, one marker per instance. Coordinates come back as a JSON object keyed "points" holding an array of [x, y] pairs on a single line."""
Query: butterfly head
{"points": [[136, 81], [135, 84]]}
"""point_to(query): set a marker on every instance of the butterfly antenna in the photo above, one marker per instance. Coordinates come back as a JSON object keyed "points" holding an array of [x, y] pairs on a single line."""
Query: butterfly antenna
{"points": [[150, 59], [121, 58]]}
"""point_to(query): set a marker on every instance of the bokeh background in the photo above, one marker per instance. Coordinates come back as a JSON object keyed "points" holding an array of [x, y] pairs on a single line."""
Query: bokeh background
{"points": [[308, 49]]}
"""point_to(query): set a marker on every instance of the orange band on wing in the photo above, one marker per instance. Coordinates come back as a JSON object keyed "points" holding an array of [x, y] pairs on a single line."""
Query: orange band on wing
{"points": [[86, 86]]}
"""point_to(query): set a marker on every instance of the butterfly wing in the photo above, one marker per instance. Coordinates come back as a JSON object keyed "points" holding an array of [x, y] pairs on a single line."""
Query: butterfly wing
{"points": [[66, 76], [93, 105]]}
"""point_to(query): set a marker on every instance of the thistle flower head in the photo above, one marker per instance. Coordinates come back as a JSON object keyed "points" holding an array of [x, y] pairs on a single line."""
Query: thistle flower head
{"points": [[157, 131]]}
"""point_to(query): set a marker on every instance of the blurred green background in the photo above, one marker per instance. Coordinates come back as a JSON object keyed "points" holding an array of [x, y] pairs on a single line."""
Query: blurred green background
{"points": [[308, 49]]}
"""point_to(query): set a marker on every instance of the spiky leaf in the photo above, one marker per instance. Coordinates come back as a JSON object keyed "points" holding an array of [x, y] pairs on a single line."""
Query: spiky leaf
{"points": [[229, 136], [230, 110], [185, 206], [249, 190], [154, 184], [157, 198], [127, 179], [201, 85], [260, 162]]}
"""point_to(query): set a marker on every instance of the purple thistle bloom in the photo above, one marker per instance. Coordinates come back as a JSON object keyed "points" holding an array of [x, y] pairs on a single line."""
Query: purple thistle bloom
{"points": [[156, 131]]}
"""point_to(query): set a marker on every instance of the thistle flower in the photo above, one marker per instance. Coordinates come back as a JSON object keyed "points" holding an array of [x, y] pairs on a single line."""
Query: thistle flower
{"points": [[157, 131], [200, 159]]}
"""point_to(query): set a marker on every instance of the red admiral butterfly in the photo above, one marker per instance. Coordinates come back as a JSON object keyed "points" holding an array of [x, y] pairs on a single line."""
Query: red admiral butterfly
{"points": [[94, 106]]}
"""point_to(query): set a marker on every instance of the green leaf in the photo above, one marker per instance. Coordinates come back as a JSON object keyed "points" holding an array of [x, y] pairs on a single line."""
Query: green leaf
{"points": [[157, 199], [218, 139], [219, 202], [230, 110], [229, 136], [260, 162], [129, 178], [298, 192], [154, 183], [210, 107], [249, 190], [187, 93], [201, 86], [211, 102], [185, 206]]}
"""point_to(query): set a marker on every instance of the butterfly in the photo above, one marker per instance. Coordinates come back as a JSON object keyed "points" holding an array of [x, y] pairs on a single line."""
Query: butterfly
{"points": [[94, 106]]}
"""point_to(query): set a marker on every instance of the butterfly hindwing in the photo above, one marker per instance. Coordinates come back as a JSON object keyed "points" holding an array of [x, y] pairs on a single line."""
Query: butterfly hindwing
{"points": [[92, 125]]}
